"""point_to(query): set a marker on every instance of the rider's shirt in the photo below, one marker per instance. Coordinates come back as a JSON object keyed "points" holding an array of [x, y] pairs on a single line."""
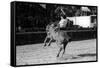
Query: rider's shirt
{"points": [[63, 23]]}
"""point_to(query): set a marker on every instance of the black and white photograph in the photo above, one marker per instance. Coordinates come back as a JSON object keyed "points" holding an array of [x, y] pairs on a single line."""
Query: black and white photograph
{"points": [[52, 33]]}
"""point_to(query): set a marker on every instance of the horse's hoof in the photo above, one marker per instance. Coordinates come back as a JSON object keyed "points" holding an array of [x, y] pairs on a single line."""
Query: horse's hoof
{"points": [[57, 56], [44, 46]]}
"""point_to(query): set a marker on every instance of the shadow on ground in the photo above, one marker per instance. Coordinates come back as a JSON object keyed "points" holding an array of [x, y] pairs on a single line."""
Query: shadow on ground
{"points": [[79, 56]]}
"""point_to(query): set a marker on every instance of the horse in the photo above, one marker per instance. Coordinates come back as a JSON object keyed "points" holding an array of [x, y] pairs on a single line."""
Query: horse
{"points": [[61, 38], [49, 36]]}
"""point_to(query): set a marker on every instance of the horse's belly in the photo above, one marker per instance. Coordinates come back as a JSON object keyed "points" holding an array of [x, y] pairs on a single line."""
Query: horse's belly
{"points": [[59, 38]]}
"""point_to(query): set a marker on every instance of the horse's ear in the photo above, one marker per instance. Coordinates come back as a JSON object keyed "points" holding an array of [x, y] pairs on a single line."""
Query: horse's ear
{"points": [[47, 27]]}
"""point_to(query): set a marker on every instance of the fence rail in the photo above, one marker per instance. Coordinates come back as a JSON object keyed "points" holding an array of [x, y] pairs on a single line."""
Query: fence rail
{"points": [[38, 37], [62, 30]]}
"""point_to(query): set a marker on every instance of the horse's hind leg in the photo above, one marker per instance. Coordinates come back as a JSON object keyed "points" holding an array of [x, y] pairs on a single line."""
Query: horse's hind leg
{"points": [[64, 47], [59, 51]]}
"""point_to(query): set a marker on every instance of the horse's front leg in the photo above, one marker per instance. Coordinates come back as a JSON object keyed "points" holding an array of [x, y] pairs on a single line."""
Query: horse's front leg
{"points": [[45, 41], [49, 42]]}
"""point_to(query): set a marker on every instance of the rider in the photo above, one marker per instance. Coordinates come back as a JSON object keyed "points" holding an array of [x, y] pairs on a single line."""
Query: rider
{"points": [[63, 22]]}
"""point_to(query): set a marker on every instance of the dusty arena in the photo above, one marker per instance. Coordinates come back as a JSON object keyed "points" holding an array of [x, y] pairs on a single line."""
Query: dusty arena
{"points": [[76, 51]]}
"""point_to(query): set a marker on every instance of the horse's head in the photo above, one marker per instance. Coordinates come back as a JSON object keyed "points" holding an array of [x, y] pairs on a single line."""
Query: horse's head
{"points": [[53, 27]]}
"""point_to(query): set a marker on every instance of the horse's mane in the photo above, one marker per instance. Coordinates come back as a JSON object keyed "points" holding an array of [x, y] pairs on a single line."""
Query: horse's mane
{"points": [[53, 22]]}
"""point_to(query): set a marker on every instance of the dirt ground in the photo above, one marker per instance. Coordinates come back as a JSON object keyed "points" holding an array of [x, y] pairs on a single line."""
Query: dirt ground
{"points": [[76, 51]]}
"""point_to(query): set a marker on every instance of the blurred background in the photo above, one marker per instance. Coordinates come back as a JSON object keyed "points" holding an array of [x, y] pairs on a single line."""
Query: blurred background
{"points": [[32, 19]]}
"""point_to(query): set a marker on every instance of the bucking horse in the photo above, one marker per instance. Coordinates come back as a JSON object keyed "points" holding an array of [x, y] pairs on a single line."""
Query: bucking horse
{"points": [[59, 36]]}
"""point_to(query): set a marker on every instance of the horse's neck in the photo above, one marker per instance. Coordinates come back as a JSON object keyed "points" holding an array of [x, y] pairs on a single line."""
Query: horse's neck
{"points": [[55, 33]]}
